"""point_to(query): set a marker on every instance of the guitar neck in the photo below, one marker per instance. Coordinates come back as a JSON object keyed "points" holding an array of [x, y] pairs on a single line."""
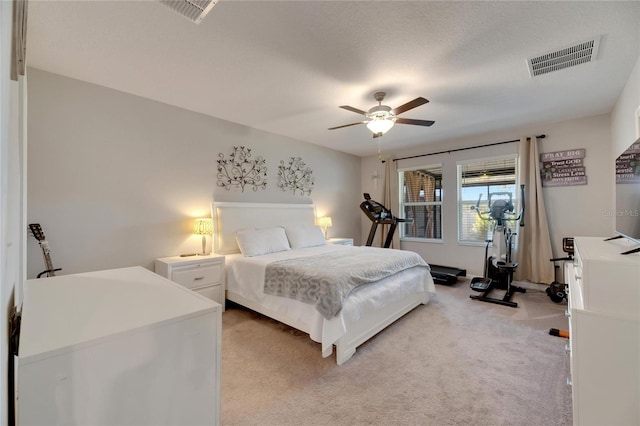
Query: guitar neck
{"points": [[46, 253], [49, 263]]}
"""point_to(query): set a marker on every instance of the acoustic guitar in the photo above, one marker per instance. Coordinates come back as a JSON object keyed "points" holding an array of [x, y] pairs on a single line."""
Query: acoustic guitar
{"points": [[38, 234]]}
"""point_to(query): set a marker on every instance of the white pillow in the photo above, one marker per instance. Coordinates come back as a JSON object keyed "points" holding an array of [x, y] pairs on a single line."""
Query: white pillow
{"points": [[305, 236], [255, 242]]}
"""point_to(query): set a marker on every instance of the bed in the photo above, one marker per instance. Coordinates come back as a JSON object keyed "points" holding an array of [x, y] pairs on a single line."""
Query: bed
{"points": [[366, 310]]}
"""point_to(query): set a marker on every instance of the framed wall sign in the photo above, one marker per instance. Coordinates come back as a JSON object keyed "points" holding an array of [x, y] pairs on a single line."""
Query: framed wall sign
{"points": [[563, 168]]}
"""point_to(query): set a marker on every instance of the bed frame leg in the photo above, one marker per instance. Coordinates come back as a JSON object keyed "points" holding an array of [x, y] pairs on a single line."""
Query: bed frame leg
{"points": [[343, 356]]}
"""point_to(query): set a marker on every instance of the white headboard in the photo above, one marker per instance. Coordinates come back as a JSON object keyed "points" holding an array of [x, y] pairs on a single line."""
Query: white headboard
{"points": [[229, 217]]}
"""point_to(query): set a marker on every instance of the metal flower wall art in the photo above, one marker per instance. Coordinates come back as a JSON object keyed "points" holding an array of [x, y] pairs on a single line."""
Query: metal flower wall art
{"points": [[295, 176], [240, 170]]}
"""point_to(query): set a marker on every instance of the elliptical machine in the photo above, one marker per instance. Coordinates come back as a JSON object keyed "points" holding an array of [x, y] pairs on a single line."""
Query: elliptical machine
{"points": [[499, 267]]}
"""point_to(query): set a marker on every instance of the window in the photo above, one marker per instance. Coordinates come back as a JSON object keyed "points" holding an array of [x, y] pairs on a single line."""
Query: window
{"points": [[421, 200], [479, 180]]}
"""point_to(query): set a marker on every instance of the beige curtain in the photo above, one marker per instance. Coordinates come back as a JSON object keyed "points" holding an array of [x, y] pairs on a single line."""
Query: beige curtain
{"points": [[422, 217], [429, 186], [534, 243], [413, 182], [390, 200]]}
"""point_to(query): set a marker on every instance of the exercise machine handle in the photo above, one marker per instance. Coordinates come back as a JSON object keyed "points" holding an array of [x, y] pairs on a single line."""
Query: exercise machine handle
{"points": [[523, 205], [477, 206], [482, 215]]}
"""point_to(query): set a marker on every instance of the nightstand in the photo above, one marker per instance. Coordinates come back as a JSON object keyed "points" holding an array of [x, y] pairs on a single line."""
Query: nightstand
{"points": [[341, 241], [202, 274]]}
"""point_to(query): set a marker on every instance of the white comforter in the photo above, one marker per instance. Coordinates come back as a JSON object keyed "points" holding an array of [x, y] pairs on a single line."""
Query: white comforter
{"points": [[245, 277]]}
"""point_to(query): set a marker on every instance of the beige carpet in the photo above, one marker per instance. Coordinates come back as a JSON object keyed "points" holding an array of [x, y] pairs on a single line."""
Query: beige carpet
{"points": [[455, 361]]}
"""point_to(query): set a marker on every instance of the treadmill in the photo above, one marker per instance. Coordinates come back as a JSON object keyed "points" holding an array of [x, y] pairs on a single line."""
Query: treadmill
{"points": [[380, 215]]}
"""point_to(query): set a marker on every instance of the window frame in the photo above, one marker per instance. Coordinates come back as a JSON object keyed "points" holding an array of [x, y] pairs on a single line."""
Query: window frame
{"points": [[402, 203], [459, 164]]}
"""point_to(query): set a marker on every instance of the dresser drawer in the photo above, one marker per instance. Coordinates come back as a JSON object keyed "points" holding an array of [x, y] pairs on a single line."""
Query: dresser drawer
{"points": [[197, 276]]}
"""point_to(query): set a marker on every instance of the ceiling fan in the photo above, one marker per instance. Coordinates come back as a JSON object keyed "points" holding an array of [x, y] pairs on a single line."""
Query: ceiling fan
{"points": [[381, 118]]}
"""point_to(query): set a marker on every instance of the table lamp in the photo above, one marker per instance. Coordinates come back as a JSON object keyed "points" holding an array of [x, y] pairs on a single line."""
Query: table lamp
{"points": [[204, 227], [324, 223]]}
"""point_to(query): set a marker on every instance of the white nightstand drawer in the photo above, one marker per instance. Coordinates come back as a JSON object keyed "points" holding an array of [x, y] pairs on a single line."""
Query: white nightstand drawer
{"points": [[198, 276], [341, 241], [203, 274], [213, 292]]}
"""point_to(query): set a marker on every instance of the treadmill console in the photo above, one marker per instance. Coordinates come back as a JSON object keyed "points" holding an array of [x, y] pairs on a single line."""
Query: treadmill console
{"points": [[380, 215], [374, 210]]}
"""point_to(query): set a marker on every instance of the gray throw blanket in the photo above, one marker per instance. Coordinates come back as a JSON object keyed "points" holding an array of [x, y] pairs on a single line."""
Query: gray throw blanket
{"points": [[325, 280]]}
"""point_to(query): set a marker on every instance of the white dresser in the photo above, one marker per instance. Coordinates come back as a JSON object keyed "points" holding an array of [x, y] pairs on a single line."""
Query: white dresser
{"points": [[604, 328], [118, 347], [202, 274]]}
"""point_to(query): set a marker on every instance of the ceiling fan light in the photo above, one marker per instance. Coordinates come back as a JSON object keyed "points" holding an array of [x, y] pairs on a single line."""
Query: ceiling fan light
{"points": [[380, 125]]}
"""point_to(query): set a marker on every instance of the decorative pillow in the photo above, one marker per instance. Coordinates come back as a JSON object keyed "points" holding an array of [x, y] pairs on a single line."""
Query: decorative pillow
{"points": [[305, 236], [255, 242]]}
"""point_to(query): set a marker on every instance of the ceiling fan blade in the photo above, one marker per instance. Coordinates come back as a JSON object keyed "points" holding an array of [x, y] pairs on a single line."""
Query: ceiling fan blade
{"points": [[352, 109], [416, 122], [347, 125], [410, 105]]}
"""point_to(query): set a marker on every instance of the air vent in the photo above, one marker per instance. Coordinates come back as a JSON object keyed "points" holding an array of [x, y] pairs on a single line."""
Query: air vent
{"points": [[193, 10], [576, 54]]}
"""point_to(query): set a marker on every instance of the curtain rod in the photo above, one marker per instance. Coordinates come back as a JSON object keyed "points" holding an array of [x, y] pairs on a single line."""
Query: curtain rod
{"points": [[449, 151]]}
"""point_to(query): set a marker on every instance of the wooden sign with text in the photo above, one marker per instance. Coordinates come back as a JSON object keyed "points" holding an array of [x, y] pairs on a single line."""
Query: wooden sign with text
{"points": [[563, 168]]}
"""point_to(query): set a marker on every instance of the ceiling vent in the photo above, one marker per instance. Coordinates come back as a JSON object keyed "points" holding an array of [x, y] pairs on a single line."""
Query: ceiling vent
{"points": [[193, 10], [575, 54]]}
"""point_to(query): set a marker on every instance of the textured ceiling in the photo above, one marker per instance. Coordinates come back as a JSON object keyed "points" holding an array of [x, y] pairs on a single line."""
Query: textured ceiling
{"points": [[285, 67]]}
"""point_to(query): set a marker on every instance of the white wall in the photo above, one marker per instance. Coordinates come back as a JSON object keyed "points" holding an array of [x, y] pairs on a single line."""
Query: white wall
{"points": [[116, 179], [625, 117], [572, 210]]}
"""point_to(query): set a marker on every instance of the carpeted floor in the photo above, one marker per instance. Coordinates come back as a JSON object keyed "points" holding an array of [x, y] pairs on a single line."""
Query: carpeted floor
{"points": [[453, 362]]}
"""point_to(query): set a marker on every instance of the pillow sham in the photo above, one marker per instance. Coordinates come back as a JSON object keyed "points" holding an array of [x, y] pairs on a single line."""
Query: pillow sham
{"points": [[255, 242], [305, 236]]}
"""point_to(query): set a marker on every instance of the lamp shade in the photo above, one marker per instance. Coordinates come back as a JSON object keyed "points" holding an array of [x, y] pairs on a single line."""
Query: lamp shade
{"points": [[380, 125], [324, 221], [203, 226]]}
